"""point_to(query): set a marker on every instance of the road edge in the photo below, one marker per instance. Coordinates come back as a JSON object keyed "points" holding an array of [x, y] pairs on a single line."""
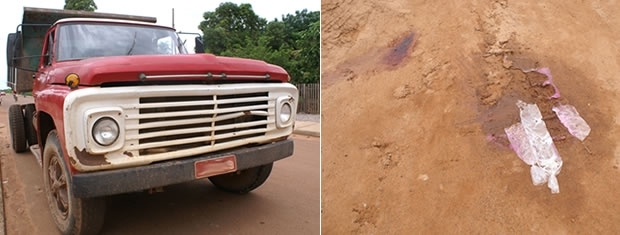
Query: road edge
{"points": [[3, 219]]}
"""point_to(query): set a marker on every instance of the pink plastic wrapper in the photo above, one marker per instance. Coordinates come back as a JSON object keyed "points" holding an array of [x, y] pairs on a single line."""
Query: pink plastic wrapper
{"points": [[547, 72]]}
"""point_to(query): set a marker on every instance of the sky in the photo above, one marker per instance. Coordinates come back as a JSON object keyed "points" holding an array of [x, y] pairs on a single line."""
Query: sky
{"points": [[187, 15]]}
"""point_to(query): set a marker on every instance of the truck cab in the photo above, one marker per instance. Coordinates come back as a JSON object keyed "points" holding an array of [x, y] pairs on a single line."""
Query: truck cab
{"points": [[120, 106]]}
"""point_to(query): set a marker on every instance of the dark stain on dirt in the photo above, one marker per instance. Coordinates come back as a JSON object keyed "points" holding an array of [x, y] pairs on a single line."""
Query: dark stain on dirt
{"points": [[529, 88], [351, 69], [399, 51]]}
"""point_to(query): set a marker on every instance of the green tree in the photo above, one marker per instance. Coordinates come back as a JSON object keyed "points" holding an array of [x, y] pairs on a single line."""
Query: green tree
{"points": [[299, 22], [310, 53], [276, 34], [292, 43], [229, 26], [81, 5], [303, 39]]}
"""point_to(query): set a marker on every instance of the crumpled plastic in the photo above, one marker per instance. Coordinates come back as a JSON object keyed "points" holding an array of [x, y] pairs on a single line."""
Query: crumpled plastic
{"points": [[520, 143], [532, 142], [569, 117]]}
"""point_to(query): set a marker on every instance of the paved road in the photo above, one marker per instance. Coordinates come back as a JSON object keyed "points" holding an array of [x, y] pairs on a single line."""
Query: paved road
{"points": [[288, 203]]}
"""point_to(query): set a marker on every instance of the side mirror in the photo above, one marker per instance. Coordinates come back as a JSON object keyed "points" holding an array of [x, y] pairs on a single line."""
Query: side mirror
{"points": [[200, 46]]}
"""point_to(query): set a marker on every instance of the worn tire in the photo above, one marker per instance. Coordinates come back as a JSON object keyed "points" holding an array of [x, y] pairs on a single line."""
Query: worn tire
{"points": [[31, 135], [16, 128], [72, 215], [244, 181]]}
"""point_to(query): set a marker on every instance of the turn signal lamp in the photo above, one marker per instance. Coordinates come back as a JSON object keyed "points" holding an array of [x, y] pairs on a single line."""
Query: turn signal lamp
{"points": [[72, 80]]}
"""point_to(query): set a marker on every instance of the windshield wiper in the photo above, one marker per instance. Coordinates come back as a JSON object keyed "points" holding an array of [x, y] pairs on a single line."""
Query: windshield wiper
{"points": [[133, 44]]}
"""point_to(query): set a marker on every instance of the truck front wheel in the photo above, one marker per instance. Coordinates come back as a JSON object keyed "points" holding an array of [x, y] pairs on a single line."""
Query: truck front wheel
{"points": [[244, 181], [17, 128], [72, 215]]}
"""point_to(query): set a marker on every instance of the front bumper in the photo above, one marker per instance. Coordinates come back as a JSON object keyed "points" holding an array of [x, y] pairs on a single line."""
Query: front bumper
{"points": [[133, 179]]}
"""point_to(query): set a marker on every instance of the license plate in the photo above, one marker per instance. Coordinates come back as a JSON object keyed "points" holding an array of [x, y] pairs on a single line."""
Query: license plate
{"points": [[215, 166]]}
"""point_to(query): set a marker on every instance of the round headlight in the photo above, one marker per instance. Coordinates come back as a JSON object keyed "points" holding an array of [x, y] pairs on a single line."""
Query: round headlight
{"points": [[285, 112], [105, 131]]}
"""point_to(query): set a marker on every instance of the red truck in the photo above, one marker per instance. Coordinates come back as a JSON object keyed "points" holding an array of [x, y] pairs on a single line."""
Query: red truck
{"points": [[120, 106]]}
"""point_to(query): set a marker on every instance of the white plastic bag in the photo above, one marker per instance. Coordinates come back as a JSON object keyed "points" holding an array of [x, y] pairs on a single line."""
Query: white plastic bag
{"points": [[533, 144], [570, 118]]}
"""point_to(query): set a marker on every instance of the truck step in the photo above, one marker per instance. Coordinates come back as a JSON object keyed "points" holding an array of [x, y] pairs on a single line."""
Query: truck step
{"points": [[37, 153]]}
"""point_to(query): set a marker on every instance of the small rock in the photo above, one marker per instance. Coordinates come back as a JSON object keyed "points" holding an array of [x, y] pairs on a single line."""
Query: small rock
{"points": [[423, 177], [402, 92], [376, 144], [506, 63], [387, 160]]}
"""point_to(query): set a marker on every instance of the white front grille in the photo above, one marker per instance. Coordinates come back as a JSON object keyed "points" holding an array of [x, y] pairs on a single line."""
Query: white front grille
{"points": [[175, 123]]}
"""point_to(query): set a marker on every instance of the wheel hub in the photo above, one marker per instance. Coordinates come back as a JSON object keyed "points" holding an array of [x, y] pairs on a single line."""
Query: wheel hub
{"points": [[58, 187]]}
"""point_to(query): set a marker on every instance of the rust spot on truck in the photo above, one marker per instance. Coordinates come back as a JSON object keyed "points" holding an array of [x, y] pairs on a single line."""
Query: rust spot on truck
{"points": [[400, 50], [88, 159], [128, 154]]}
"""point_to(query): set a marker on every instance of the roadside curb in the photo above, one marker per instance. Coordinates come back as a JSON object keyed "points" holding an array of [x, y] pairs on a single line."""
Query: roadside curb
{"points": [[307, 132], [307, 128]]}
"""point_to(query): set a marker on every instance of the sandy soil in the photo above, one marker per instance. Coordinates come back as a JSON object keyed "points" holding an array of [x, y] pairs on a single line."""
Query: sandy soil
{"points": [[415, 98]]}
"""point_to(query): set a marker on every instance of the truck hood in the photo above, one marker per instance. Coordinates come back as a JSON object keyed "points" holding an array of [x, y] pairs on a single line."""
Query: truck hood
{"points": [[118, 69]]}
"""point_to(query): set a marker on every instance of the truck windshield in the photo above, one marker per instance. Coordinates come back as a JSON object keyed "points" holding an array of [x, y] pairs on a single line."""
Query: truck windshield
{"points": [[80, 41]]}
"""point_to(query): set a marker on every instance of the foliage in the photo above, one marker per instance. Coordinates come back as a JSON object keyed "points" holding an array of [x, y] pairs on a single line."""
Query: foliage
{"points": [[230, 25], [293, 42], [81, 5]]}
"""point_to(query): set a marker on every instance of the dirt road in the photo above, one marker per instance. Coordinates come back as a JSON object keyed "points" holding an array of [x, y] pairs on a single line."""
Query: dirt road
{"points": [[415, 98], [288, 203]]}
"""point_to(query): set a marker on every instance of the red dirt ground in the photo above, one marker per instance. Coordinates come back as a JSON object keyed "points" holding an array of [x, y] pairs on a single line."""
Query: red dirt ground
{"points": [[412, 90]]}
